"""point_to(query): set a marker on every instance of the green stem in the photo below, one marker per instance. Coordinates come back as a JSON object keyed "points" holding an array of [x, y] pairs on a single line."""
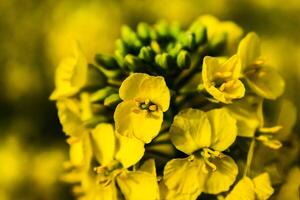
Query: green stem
{"points": [[249, 156]]}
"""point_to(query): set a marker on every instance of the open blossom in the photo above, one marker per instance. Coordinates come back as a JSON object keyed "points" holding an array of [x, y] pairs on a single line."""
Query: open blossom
{"points": [[221, 80], [116, 153], [263, 80], [145, 98], [202, 136]]}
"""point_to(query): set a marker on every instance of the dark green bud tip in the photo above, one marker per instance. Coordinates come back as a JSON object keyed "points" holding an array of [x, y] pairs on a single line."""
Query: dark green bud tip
{"points": [[183, 59], [188, 40], [147, 54], [163, 60], [133, 62], [200, 34]]}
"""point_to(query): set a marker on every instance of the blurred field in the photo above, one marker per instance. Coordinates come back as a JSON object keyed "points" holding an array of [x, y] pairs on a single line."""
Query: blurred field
{"points": [[35, 35]]}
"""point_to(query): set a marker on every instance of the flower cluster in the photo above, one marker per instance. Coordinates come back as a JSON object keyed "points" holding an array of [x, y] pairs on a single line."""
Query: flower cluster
{"points": [[176, 113]]}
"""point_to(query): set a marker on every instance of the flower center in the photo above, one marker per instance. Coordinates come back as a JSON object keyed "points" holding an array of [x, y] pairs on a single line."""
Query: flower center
{"points": [[147, 105], [221, 79], [107, 173], [208, 155]]}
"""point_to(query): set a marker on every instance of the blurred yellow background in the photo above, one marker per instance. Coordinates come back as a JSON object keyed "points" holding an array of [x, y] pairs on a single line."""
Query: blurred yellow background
{"points": [[35, 35]]}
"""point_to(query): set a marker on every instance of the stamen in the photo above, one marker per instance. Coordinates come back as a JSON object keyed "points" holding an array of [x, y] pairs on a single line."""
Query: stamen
{"points": [[210, 164], [153, 107]]}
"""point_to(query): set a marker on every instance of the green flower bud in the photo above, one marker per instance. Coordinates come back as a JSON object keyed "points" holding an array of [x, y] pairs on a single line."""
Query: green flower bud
{"points": [[133, 62], [201, 35], [144, 31], [101, 94], [183, 59], [147, 54], [163, 60], [122, 48], [188, 40], [130, 37], [162, 28], [112, 100]]}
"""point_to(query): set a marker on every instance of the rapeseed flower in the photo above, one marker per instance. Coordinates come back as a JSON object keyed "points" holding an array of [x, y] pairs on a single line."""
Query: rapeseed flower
{"points": [[221, 80], [202, 136], [262, 80], [116, 153], [145, 98]]}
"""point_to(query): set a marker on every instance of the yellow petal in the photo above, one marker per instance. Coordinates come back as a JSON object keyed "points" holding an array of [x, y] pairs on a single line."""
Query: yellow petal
{"points": [[95, 191], [190, 131], [248, 113], [223, 177], [138, 185], [156, 90], [69, 117], [232, 65], [287, 116], [146, 125], [166, 194], [129, 150], [131, 121], [70, 75], [76, 153], [81, 152], [211, 65], [243, 190], [267, 82], [144, 87], [249, 49], [263, 186], [103, 140], [224, 129], [183, 176], [130, 87]]}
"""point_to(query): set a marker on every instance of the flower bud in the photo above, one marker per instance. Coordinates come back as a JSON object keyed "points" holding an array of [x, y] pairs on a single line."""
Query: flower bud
{"points": [[183, 59], [147, 54]]}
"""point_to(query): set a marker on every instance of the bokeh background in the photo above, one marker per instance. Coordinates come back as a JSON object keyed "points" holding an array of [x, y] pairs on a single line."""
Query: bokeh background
{"points": [[35, 35]]}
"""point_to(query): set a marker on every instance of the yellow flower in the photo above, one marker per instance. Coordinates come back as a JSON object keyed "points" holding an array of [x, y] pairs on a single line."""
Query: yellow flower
{"points": [[263, 80], [70, 76], [259, 188], [221, 80], [202, 136], [116, 153], [145, 98], [215, 28]]}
